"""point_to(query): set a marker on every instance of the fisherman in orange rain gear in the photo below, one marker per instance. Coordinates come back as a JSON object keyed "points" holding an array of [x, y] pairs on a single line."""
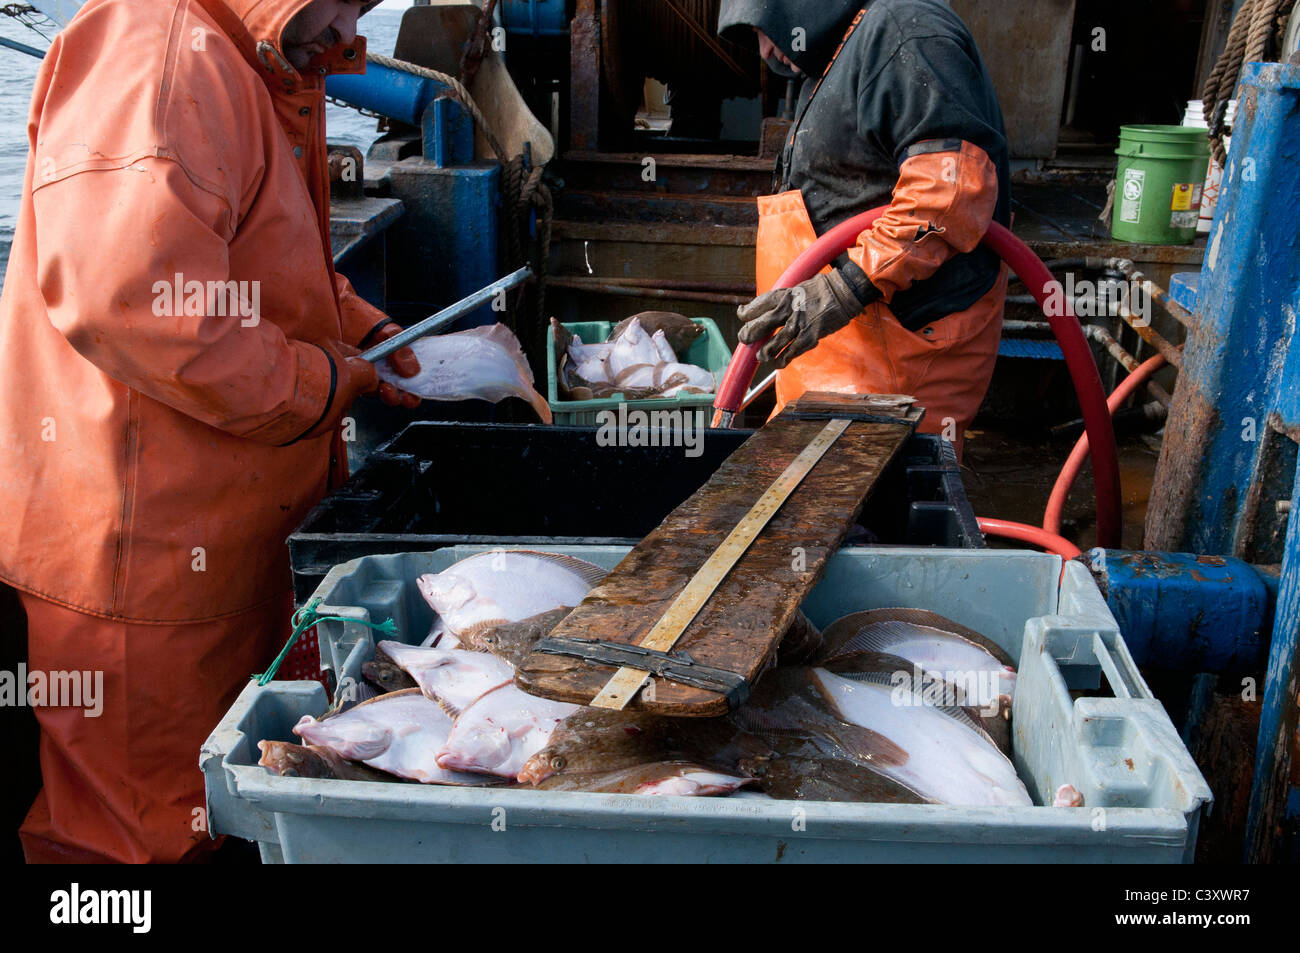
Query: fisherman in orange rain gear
{"points": [[177, 354], [897, 109]]}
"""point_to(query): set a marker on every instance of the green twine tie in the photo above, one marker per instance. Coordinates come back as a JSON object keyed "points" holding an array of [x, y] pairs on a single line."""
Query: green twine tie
{"points": [[304, 619]]}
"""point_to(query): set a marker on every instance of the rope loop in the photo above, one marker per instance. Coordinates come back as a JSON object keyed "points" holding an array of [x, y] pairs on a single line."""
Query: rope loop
{"points": [[304, 619]]}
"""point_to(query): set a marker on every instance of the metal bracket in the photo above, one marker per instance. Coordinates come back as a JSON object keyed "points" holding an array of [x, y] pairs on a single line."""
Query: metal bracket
{"points": [[678, 667], [447, 132], [863, 408], [853, 416]]}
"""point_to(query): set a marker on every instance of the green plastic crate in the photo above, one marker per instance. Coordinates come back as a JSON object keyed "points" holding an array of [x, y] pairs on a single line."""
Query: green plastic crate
{"points": [[709, 351]]}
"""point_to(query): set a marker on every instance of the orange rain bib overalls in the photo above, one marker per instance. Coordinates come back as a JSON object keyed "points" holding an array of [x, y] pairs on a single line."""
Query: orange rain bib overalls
{"points": [[946, 366]]}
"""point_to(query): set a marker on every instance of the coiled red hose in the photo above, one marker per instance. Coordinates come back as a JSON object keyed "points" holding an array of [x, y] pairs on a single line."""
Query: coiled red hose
{"points": [[1069, 335]]}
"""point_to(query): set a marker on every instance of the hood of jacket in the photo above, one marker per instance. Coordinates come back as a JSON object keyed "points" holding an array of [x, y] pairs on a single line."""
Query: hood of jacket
{"points": [[258, 27], [265, 20], [807, 31]]}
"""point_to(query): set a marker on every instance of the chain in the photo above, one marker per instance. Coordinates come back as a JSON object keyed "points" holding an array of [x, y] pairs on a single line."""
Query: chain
{"points": [[369, 113]]}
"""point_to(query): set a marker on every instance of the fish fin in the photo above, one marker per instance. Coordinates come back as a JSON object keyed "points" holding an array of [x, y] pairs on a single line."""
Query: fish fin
{"points": [[871, 746], [502, 336], [957, 713], [539, 404], [360, 693], [836, 635], [850, 664], [871, 676], [589, 573], [885, 635], [963, 716], [388, 696], [944, 624], [793, 716], [451, 710]]}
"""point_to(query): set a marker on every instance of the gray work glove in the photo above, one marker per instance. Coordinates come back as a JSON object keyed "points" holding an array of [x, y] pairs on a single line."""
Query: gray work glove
{"points": [[803, 315]]}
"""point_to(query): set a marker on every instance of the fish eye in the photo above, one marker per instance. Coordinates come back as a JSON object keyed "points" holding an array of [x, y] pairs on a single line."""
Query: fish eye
{"points": [[558, 763]]}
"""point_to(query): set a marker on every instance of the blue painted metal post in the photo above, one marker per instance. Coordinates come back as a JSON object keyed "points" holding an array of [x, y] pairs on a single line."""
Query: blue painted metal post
{"points": [[1273, 826], [1228, 465], [445, 247], [1229, 449], [448, 133]]}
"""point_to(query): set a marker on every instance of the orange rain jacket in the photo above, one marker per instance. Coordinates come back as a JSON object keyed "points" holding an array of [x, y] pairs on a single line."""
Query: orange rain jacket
{"points": [[155, 454]]}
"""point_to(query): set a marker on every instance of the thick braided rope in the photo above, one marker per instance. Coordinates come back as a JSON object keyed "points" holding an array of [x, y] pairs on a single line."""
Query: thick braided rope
{"points": [[1262, 28], [1254, 28]]}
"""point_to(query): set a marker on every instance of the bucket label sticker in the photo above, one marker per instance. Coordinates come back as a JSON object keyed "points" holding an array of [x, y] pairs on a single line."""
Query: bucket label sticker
{"points": [[1183, 198], [1186, 206], [1130, 206]]}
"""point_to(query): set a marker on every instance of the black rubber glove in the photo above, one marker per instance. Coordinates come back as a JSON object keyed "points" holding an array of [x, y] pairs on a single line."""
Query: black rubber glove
{"points": [[803, 315]]}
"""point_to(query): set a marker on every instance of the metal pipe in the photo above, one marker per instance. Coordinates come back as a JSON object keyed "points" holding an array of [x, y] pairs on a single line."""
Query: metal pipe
{"points": [[1103, 337], [1153, 337], [758, 389], [437, 322], [1129, 270], [21, 47], [1130, 363], [1020, 327], [390, 92]]}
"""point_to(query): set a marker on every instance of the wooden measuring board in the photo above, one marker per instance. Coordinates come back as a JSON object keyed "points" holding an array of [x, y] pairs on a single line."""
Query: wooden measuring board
{"points": [[717, 584]]}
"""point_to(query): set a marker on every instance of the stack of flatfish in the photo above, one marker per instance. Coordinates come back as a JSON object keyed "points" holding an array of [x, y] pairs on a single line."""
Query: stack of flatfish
{"points": [[895, 705]]}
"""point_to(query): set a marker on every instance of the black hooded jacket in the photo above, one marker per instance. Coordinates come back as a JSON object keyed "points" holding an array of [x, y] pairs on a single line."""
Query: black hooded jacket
{"points": [[909, 73]]}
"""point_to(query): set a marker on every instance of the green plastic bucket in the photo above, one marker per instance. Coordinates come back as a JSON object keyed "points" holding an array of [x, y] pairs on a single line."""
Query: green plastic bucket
{"points": [[1158, 184]]}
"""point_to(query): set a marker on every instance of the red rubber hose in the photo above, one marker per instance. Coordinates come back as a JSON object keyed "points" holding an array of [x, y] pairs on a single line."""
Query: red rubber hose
{"points": [[1070, 472], [740, 372], [1029, 534], [1069, 335]]}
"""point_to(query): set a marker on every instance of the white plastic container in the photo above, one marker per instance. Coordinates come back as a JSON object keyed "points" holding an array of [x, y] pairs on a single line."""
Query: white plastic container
{"points": [[1194, 118]]}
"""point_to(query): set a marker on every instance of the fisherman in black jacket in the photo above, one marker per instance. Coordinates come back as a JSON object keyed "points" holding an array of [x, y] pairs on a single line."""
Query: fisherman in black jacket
{"points": [[896, 109]]}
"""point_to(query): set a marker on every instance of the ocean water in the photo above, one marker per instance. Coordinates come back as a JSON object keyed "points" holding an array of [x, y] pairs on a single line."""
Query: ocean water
{"points": [[18, 73]]}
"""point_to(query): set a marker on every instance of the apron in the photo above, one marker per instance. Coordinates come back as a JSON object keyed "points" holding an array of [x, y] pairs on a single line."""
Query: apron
{"points": [[946, 366]]}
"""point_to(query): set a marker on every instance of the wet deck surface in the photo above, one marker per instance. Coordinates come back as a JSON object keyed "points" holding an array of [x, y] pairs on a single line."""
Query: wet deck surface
{"points": [[1010, 477]]}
